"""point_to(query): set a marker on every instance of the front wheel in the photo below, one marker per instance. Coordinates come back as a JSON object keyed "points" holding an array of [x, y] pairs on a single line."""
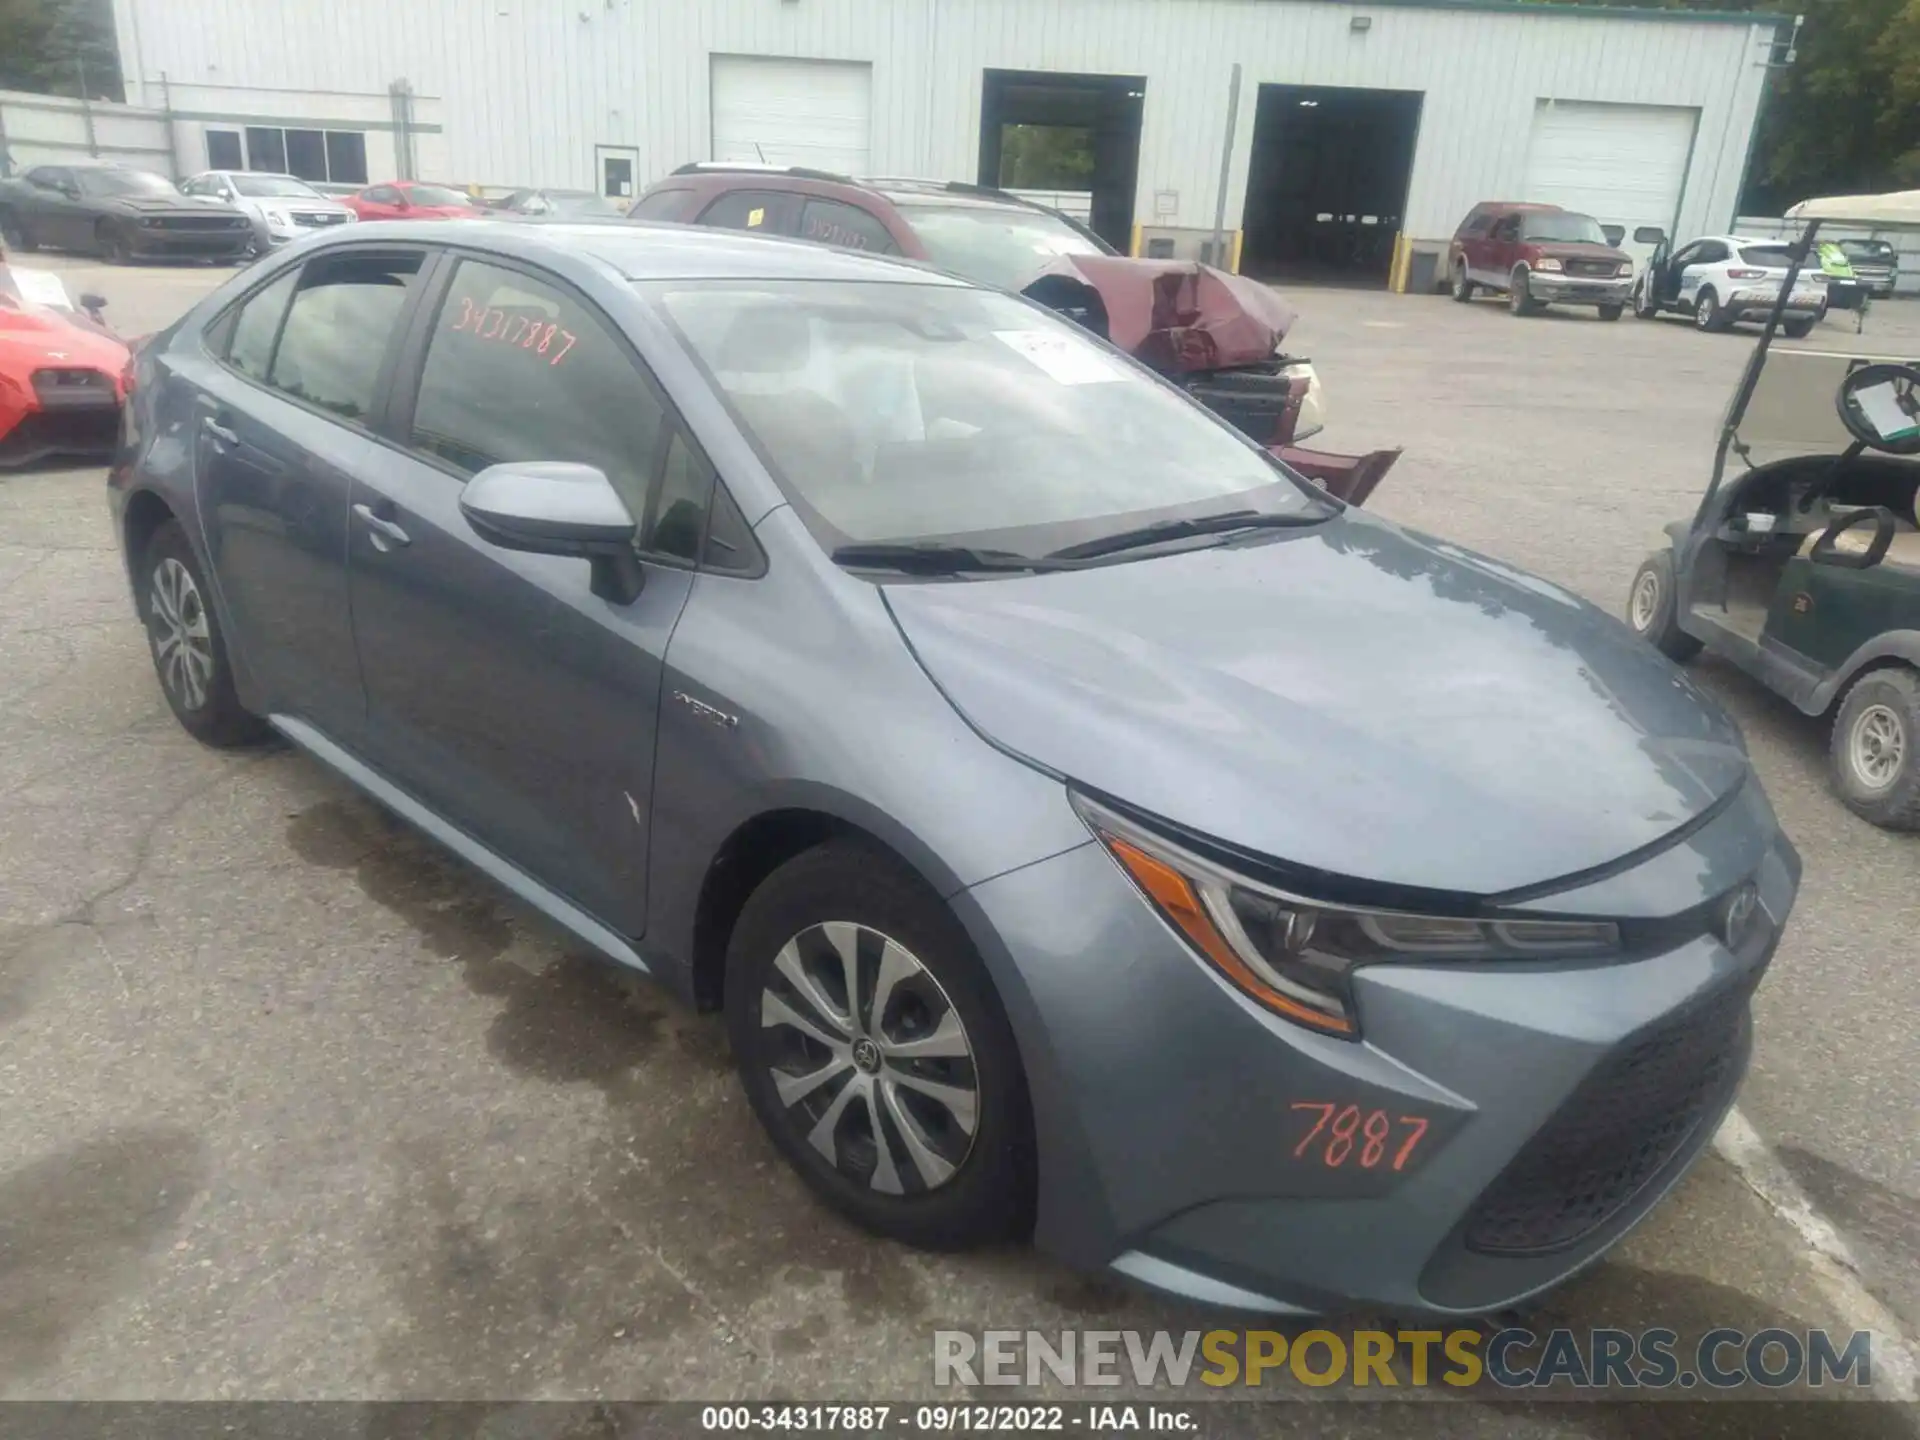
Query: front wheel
{"points": [[875, 1052], [1519, 301], [1707, 314], [1611, 312], [113, 246], [14, 234], [1462, 286], [189, 651], [1875, 751], [1652, 609]]}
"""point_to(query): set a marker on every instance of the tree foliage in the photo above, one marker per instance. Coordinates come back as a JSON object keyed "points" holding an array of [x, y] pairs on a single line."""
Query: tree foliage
{"points": [[46, 45]]}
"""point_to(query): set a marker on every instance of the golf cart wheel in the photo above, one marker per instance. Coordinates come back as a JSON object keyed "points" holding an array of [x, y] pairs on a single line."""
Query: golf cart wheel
{"points": [[1707, 314], [875, 1052], [1611, 312], [189, 652], [1651, 613], [1518, 300], [1462, 286], [14, 234], [1875, 750], [1797, 329]]}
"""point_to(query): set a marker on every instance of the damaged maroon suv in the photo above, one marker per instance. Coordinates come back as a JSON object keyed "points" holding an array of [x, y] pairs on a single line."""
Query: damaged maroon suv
{"points": [[1216, 335]]}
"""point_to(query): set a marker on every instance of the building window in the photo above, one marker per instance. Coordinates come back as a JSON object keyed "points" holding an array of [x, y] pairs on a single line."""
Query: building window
{"points": [[223, 150], [338, 156]]}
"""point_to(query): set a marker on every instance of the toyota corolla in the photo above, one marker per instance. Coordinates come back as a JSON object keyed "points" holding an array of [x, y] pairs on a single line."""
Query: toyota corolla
{"points": [[1088, 827]]}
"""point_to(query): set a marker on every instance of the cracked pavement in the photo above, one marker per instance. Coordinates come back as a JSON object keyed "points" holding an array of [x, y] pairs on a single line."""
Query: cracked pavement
{"points": [[291, 1105]]}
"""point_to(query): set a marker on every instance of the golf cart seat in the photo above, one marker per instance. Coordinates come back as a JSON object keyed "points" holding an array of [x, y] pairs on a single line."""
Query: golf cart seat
{"points": [[1902, 554]]}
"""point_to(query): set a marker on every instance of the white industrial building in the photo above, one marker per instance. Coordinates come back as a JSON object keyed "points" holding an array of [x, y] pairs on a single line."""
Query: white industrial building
{"points": [[1356, 120]]}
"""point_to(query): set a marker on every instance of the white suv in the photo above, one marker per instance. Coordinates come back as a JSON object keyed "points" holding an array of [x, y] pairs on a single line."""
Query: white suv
{"points": [[1722, 279]]}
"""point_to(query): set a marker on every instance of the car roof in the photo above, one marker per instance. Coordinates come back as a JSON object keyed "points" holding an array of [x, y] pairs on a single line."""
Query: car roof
{"points": [[642, 250]]}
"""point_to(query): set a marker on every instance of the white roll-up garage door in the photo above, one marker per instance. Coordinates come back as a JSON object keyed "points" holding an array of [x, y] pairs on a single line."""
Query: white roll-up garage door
{"points": [[1622, 164], [793, 112]]}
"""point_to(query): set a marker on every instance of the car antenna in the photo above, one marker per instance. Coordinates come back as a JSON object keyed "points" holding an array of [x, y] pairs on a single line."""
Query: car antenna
{"points": [[758, 151]]}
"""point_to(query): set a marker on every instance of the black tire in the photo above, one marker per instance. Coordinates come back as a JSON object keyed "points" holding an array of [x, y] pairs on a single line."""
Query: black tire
{"points": [[1519, 302], [1884, 705], [1707, 314], [1797, 329], [14, 234], [209, 710], [988, 1194], [1651, 613], [112, 245], [1611, 312], [1462, 286]]}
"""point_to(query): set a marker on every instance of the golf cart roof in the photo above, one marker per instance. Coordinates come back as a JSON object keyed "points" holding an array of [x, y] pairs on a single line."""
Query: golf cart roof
{"points": [[1897, 207]]}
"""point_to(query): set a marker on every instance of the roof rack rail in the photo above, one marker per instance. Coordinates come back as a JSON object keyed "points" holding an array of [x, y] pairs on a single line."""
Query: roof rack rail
{"points": [[710, 167]]}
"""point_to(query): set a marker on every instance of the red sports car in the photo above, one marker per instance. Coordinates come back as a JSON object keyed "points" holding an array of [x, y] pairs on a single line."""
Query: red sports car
{"points": [[62, 378], [412, 200]]}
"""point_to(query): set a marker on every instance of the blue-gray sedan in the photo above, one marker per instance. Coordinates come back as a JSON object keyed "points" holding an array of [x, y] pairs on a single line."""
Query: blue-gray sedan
{"points": [[1087, 826]]}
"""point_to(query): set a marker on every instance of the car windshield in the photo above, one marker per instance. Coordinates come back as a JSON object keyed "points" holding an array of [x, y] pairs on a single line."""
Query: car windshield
{"points": [[263, 187], [435, 195], [1874, 252], [950, 415], [994, 245], [1774, 257], [1562, 225], [124, 182]]}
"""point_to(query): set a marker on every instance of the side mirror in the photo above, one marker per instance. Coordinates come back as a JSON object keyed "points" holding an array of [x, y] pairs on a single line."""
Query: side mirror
{"points": [[1649, 235], [93, 304], [557, 508], [1614, 233]]}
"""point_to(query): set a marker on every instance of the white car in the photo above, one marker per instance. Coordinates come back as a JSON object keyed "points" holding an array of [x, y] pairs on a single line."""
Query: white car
{"points": [[281, 207], [1723, 279]]}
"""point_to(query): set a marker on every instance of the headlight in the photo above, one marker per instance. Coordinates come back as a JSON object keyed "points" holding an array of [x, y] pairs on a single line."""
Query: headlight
{"points": [[1296, 956], [279, 218], [152, 222], [1625, 272], [1547, 262]]}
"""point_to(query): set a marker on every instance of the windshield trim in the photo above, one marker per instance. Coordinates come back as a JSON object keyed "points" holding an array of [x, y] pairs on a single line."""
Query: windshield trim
{"points": [[828, 537]]}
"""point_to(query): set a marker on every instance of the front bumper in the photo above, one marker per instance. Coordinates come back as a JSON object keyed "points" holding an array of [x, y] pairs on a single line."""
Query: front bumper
{"points": [[1173, 1113], [1577, 290], [154, 241]]}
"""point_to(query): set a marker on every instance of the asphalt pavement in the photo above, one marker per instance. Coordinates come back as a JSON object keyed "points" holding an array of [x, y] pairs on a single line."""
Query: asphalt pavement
{"points": [[292, 1106]]}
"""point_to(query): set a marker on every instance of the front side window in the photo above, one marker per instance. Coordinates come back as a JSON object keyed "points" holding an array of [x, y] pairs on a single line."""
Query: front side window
{"points": [[994, 245], [1507, 229], [947, 414], [338, 328], [518, 370], [1564, 226]]}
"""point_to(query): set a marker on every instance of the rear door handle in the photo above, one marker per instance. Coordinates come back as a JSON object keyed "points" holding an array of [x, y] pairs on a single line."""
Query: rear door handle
{"points": [[219, 431], [384, 533]]}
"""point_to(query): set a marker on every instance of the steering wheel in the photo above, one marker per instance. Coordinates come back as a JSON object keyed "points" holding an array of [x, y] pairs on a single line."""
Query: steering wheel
{"points": [[1880, 406]]}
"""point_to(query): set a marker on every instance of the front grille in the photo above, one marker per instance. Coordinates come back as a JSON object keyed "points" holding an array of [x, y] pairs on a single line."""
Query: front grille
{"points": [[1592, 269], [1618, 1130], [300, 219], [202, 222]]}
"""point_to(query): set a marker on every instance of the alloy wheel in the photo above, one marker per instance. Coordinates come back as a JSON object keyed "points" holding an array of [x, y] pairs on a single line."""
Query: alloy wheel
{"points": [[177, 628], [1877, 747], [1705, 311], [869, 1058]]}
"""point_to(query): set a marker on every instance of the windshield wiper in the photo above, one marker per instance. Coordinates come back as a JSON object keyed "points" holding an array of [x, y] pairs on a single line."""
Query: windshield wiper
{"points": [[930, 558], [1162, 530]]}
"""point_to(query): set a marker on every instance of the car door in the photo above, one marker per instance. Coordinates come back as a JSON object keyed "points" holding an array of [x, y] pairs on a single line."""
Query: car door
{"points": [[1497, 251], [284, 403], [1672, 269], [500, 689], [57, 212], [771, 212]]}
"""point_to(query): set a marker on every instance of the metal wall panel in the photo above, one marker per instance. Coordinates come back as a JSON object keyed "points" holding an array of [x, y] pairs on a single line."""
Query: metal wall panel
{"points": [[529, 87]]}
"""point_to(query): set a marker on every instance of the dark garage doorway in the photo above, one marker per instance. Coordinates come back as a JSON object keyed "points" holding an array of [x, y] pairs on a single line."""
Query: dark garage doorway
{"points": [[1041, 130], [1327, 182]]}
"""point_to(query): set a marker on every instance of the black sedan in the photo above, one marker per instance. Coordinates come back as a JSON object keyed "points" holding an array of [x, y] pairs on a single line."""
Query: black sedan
{"points": [[119, 213]]}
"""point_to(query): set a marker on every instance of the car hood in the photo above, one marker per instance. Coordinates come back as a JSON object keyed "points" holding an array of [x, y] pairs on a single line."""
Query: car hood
{"points": [[1577, 250], [1177, 316], [33, 337], [1352, 699], [162, 204]]}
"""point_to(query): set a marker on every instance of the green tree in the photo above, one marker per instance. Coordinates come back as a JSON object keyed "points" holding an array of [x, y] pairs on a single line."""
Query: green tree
{"points": [[46, 45]]}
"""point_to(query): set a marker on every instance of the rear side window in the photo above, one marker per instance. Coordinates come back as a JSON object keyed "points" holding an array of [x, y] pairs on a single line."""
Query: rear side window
{"points": [[660, 205], [257, 326], [337, 330], [1711, 253], [519, 370], [1475, 224], [746, 210], [847, 226]]}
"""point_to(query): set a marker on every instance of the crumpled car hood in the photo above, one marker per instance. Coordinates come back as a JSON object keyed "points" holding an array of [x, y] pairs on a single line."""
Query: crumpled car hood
{"points": [[1179, 317], [1351, 700]]}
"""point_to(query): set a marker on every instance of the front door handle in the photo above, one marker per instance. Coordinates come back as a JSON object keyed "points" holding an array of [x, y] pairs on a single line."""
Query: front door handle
{"points": [[219, 431], [383, 532]]}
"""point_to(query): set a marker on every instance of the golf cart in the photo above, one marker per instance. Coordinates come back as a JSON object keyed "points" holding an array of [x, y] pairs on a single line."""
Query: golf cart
{"points": [[1804, 570]]}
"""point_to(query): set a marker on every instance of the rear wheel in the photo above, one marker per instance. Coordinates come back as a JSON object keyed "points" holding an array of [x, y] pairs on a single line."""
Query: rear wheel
{"points": [[1462, 286], [1707, 314], [1875, 750], [1652, 609], [1798, 329], [1518, 300], [873, 1049], [189, 652], [1611, 312]]}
